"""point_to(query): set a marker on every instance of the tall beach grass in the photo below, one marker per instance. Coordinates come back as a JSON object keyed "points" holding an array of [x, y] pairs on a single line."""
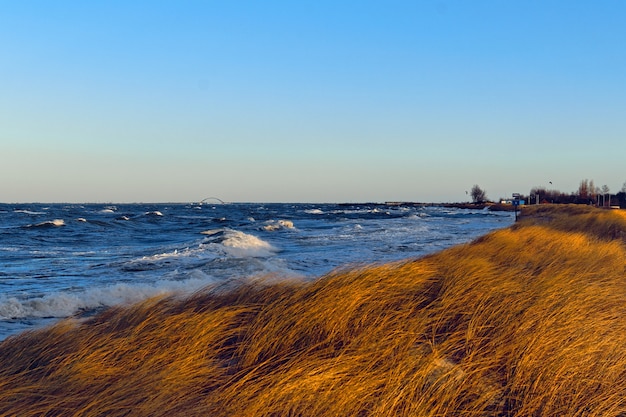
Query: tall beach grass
{"points": [[525, 321]]}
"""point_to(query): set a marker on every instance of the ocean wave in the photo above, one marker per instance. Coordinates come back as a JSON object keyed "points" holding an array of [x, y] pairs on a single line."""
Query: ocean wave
{"points": [[273, 225], [243, 245], [239, 244], [185, 253], [187, 257], [65, 304], [101, 223], [362, 212], [47, 224], [219, 243], [29, 212]]}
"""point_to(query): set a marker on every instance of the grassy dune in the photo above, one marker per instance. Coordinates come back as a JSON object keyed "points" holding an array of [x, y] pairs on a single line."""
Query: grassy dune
{"points": [[525, 321]]}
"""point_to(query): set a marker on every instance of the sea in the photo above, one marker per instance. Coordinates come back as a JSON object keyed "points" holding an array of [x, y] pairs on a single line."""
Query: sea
{"points": [[62, 260]]}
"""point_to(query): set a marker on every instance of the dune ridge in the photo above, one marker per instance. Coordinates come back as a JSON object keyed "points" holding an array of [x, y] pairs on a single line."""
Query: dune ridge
{"points": [[524, 321]]}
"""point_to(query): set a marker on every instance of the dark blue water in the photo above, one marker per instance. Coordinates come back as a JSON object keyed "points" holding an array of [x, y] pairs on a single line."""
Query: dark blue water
{"points": [[60, 260]]}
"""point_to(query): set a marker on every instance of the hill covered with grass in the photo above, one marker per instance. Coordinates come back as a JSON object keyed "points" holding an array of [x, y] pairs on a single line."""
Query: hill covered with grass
{"points": [[524, 321]]}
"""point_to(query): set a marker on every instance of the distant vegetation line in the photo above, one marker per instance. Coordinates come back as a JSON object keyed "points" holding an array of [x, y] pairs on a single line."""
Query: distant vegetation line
{"points": [[588, 193]]}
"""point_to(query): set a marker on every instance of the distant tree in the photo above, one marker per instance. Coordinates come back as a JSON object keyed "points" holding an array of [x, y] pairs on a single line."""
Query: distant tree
{"points": [[478, 194], [537, 194], [623, 188], [593, 189], [588, 192], [543, 195], [584, 190], [605, 192], [621, 197]]}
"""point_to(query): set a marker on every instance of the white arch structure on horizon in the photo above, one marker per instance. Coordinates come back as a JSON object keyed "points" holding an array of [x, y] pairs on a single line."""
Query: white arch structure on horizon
{"points": [[212, 198]]}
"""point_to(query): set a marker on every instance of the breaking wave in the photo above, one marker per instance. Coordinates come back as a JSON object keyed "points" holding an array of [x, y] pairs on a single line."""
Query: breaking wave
{"points": [[64, 304], [239, 244], [50, 223]]}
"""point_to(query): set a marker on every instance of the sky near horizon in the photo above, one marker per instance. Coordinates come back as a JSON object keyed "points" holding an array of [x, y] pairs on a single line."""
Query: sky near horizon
{"points": [[309, 101]]}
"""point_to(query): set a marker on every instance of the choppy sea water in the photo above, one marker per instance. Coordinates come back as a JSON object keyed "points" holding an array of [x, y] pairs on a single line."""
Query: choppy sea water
{"points": [[61, 260]]}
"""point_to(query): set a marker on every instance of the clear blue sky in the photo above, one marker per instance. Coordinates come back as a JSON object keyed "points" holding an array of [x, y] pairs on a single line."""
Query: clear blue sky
{"points": [[308, 101]]}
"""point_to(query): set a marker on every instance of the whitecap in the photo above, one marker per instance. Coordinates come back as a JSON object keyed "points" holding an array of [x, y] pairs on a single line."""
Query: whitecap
{"points": [[273, 225], [49, 223], [212, 232], [64, 304], [199, 252], [31, 213], [243, 245]]}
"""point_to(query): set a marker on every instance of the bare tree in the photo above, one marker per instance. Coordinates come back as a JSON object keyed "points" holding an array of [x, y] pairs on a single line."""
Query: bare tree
{"points": [[478, 194], [583, 189], [605, 190]]}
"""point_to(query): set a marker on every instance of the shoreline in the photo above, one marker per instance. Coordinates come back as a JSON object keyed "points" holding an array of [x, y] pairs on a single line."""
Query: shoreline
{"points": [[527, 320]]}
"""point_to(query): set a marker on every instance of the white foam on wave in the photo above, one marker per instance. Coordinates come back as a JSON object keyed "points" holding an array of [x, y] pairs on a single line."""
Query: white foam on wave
{"points": [[65, 304], [49, 223], [212, 232], [243, 245], [31, 213], [358, 211], [239, 244], [314, 211], [273, 225], [417, 216], [220, 243], [199, 252]]}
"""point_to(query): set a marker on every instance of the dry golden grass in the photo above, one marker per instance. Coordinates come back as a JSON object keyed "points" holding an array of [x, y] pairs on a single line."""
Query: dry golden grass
{"points": [[526, 321]]}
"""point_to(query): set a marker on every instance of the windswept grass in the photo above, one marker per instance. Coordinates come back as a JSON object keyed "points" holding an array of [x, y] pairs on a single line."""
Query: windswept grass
{"points": [[526, 321]]}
